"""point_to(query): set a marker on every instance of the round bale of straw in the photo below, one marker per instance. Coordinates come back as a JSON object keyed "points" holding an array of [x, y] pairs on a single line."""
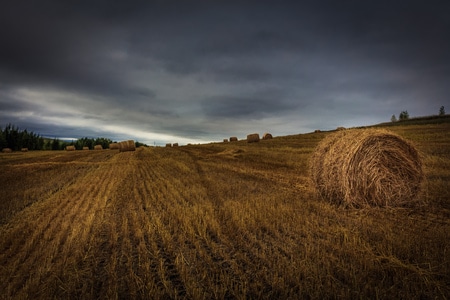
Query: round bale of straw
{"points": [[6, 150], [114, 146], [168, 145], [267, 136], [253, 138], [70, 148], [24, 150], [225, 140], [370, 167], [128, 145], [85, 148], [175, 145], [98, 147], [233, 139]]}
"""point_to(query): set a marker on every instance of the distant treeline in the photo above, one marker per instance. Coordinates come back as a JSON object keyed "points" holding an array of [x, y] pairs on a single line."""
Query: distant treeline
{"points": [[16, 139]]}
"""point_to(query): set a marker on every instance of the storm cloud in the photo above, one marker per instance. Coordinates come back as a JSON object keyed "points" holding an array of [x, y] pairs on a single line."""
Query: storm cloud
{"points": [[198, 71]]}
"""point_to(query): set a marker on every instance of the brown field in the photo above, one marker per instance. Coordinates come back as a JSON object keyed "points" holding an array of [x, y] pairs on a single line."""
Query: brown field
{"points": [[215, 221]]}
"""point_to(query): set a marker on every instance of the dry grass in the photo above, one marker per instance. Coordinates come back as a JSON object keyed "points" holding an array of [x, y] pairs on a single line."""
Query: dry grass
{"points": [[367, 167], [215, 221]]}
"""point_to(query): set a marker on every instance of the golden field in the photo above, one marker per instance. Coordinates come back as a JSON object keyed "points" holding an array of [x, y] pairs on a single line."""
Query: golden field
{"points": [[216, 221]]}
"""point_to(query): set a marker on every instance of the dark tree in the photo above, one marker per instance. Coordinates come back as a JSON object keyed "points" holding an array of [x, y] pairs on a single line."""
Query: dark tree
{"points": [[404, 115]]}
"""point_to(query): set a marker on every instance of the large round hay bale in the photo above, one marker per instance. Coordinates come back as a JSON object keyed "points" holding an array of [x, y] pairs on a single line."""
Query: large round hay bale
{"points": [[252, 138], [225, 140], [98, 147], [359, 168], [168, 145], [6, 150], [114, 146], [24, 149], [85, 148], [70, 148], [175, 145], [128, 145], [233, 139], [267, 136]]}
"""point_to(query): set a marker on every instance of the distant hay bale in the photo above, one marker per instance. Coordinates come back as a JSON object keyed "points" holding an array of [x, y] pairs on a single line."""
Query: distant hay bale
{"points": [[6, 150], [225, 140], [253, 138], [175, 145], [128, 145], [233, 139], [359, 168], [70, 148], [114, 146], [168, 145], [267, 136], [340, 128], [317, 131], [85, 148], [24, 149], [98, 147]]}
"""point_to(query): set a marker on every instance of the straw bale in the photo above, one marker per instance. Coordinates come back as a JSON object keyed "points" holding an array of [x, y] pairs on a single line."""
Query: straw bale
{"points": [[24, 149], [175, 145], [317, 131], [114, 146], [98, 147], [128, 145], [225, 140], [85, 148], [6, 150], [233, 139], [267, 136], [252, 138], [169, 145], [370, 167], [70, 148]]}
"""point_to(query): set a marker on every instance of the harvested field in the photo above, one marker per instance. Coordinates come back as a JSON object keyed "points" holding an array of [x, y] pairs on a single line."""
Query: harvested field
{"points": [[225, 220]]}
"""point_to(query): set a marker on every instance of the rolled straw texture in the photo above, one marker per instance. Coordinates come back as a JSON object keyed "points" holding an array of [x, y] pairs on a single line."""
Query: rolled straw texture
{"points": [[70, 148], [267, 136], [128, 145], [98, 147], [253, 138], [360, 168], [114, 146]]}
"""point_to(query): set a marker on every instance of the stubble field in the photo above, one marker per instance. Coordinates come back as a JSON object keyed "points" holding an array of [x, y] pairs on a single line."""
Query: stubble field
{"points": [[215, 221]]}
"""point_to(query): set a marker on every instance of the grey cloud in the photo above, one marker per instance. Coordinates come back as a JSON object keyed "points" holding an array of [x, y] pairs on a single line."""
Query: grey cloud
{"points": [[177, 68]]}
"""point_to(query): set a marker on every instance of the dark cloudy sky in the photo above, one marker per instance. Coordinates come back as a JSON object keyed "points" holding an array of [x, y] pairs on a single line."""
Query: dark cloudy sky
{"points": [[200, 71]]}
